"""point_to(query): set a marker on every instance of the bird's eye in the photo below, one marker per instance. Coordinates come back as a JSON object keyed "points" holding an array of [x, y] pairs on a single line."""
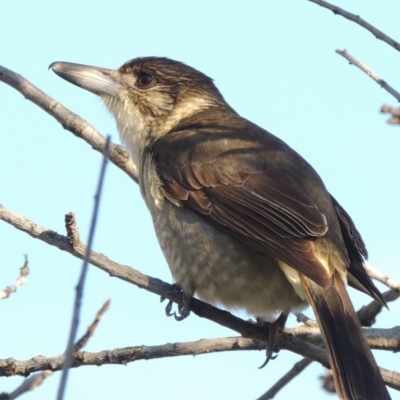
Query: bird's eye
{"points": [[144, 80]]}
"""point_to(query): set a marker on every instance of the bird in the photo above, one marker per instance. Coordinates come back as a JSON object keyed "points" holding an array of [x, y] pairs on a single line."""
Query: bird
{"points": [[242, 219]]}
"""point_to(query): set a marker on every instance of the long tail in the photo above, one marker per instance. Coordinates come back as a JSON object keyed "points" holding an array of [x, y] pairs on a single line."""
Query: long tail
{"points": [[356, 374]]}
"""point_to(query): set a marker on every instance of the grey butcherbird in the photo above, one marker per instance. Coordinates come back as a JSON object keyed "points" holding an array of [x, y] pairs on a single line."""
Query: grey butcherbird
{"points": [[242, 219]]}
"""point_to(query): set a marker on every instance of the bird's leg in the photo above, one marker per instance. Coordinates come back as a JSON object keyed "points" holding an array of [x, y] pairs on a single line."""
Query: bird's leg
{"points": [[275, 336], [183, 308]]}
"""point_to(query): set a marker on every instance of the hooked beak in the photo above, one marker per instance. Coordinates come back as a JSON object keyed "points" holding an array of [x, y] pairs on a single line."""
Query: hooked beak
{"points": [[97, 80]]}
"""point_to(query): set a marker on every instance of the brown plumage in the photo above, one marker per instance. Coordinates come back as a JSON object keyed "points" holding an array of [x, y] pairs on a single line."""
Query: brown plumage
{"points": [[242, 219]]}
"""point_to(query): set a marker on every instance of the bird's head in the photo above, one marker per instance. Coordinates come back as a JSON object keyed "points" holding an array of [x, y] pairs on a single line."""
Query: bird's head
{"points": [[147, 96]]}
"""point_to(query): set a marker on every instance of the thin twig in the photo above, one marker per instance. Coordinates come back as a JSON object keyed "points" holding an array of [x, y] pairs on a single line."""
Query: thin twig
{"points": [[305, 320], [37, 379], [70, 121], [358, 20], [369, 72], [287, 378], [80, 287], [379, 276], [90, 331], [23, 273], [27, 385], [368, 313]]}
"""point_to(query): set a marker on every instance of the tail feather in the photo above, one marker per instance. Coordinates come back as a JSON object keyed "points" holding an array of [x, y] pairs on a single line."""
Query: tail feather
{"points": [[356, 374]]}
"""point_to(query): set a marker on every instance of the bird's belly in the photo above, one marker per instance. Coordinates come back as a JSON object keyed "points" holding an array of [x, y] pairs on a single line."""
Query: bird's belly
{"points": [[218, 267]]}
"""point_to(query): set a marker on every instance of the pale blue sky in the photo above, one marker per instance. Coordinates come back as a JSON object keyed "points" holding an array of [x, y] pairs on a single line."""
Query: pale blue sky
{"points": [[275, 63]]}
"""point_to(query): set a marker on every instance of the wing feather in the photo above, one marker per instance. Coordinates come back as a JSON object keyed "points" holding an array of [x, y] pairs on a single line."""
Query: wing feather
{"points": [[263, 207]]}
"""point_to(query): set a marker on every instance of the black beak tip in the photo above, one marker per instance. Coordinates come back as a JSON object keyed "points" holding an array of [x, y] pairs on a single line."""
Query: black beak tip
{"points": [[53, 65]]}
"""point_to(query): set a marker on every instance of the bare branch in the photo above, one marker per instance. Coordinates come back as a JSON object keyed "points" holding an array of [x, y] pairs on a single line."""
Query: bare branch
{"points": [[126, 355], [85, 266], [375, 274], [287, 378], [395, 118], [72, 230], [305, 320], [130, 354], [367, 314], [36, 380], [377, 338], [391, 378], [358, 20], [369, 72], [70, 121], [27, 385], [82, 342], [291, 336], [23, 273]]}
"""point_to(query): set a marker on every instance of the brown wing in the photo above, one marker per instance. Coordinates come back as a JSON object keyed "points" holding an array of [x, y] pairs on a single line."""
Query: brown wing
{"points": [[357, 251], [225, 182]]}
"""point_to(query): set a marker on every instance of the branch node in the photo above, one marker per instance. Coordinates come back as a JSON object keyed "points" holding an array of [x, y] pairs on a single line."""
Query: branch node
{"points": [[72, 230]]}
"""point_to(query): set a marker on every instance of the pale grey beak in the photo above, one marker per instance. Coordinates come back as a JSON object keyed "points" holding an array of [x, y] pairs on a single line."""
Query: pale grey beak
{"points": [[97, 80]]}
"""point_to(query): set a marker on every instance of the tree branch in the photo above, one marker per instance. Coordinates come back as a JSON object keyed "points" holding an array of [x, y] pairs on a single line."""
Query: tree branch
{"points": [[291, 336], [377, 338], [23, 273], [79, 289], [358, 20], [129, 354], [297, 368], [36, 380], [10, 366], [70, 121], [389, 282], [304, 319], [369, 72], [367, 314]]}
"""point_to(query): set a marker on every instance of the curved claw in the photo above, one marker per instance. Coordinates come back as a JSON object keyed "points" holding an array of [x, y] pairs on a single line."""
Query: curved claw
{"points": [[179, 317], [269, 357], [168, 309], [184, 313]]}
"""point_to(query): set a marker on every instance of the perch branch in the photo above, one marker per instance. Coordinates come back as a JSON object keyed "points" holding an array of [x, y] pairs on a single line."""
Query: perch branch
{"points": [[70, 121]]}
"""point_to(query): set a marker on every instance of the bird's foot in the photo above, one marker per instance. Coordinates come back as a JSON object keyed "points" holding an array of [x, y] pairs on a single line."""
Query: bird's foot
{"points": [[183, 308], [275, 337]]}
